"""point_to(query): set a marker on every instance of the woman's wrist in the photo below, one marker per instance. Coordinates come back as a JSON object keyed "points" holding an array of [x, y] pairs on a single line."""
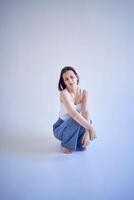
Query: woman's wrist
{"points": [[89, 128]]}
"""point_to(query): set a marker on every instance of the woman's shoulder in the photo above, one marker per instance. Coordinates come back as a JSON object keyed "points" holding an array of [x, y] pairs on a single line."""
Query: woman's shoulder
{"points": [[84, 90], [61, 91], [62, 94]]}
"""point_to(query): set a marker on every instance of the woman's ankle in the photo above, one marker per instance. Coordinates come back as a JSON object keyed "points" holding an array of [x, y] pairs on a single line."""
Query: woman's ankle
{"points": [[66, 150]]}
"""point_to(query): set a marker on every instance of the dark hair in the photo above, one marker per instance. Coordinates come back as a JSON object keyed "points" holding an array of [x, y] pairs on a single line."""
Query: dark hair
{"points": [[61, 84]]}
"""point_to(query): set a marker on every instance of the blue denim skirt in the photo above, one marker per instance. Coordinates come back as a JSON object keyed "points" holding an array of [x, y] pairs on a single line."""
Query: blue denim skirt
{"points": [[70, 133]]}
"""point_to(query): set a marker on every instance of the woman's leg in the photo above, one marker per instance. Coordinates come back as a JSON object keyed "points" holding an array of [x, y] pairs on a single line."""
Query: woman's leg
{"points": [[70, 133]]}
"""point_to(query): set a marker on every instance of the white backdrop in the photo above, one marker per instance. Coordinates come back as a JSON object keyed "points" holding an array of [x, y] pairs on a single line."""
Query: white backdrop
{"points": [[38, 38]]}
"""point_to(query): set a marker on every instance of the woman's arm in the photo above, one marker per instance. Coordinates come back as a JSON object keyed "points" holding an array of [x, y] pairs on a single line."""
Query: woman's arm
{"points": [[85, 113], [74, 114], [84, 105]]}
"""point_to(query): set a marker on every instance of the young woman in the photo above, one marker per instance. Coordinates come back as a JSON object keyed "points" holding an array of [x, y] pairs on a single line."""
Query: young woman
{"points": [[73, 127]]}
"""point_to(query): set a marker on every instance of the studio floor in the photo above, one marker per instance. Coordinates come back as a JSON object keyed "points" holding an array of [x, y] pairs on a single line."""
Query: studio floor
{"points": [[32, 167]]}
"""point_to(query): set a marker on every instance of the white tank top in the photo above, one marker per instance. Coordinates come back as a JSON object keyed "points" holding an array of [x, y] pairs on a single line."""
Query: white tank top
{"points": [[63, 114]]}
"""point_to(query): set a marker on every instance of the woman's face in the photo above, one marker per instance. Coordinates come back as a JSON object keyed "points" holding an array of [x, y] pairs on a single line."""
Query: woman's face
{"points": [[70, 79]]}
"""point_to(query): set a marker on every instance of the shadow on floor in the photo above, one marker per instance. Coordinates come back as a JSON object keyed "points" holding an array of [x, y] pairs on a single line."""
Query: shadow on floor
{"points": [[41, 144]]}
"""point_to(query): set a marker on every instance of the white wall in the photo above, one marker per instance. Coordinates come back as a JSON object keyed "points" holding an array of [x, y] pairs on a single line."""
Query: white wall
{"points": [[38, 38]]}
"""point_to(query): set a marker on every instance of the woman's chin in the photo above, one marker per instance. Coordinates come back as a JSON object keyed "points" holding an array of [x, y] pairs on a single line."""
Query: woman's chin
{"points": [[72, 87]]}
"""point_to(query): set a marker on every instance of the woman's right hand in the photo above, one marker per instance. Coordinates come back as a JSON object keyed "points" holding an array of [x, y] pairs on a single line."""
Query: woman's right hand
{"points": [[92, 133]]}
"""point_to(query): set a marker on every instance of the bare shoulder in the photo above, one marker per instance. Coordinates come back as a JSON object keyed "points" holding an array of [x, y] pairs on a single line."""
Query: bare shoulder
{"points": [[85, 99], [63, 94], [85, 93]]}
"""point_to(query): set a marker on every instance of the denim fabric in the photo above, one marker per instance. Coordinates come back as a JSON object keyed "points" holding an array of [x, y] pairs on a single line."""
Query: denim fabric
{"points": [[69, 132]]}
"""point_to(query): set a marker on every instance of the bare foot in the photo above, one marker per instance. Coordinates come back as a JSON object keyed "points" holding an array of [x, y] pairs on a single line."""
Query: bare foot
{"points": [[66, 150], [86, 139], [92, 134]]}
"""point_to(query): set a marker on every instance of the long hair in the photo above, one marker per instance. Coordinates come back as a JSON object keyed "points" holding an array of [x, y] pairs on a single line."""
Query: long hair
{"points": [[61, 84]]}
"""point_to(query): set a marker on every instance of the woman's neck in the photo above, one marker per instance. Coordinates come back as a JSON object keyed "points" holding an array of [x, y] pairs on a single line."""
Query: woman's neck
{"points": [[73, 90]]}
